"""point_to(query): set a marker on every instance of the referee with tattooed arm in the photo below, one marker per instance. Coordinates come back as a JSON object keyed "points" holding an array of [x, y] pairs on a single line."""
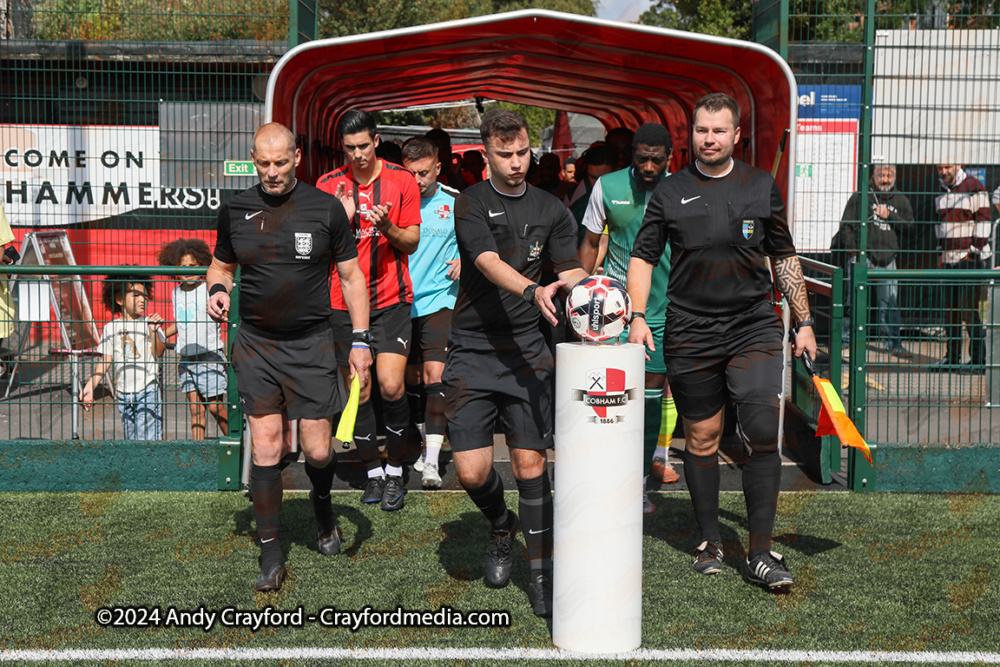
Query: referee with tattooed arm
{"points": [[723, 341]]}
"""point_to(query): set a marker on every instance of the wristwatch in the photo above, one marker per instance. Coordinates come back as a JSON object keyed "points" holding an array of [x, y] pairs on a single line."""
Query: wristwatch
{"points": [[363, 336], [637, 316], [529, 293]]}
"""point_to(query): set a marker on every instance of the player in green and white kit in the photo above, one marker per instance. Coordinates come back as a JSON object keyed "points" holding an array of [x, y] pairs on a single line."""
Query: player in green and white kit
{"points": [[616, 207]]}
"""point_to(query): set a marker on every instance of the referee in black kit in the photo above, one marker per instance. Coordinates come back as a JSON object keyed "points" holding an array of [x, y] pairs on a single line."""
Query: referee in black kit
{"points": [[285, 235], [723, 218], [498, 364]]}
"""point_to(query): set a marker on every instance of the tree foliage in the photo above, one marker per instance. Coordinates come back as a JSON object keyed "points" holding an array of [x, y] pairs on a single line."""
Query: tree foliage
{"points": [[339, 18], [723, 18], [162, 20]]}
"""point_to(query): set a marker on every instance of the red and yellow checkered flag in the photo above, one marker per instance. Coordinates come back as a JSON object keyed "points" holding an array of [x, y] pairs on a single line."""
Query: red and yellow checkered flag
{"points": [[833, 419]]}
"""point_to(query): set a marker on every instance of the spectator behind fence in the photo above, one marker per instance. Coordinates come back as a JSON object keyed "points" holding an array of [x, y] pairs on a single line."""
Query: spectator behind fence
{"points": [[964, 240], [202, 367], [130, 345], [890, 213], [10, 256]]}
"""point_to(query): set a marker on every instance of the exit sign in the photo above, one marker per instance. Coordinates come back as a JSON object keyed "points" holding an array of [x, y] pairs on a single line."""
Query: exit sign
{"points": [[239, 168]]}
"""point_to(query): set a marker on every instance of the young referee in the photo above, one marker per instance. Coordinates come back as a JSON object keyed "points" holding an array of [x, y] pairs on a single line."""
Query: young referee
{"points": [[498, 363]]}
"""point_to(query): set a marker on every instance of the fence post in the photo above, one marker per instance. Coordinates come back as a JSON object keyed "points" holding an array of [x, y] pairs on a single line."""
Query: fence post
{"points": [[831, 444], [860, 475], [230, 447]]}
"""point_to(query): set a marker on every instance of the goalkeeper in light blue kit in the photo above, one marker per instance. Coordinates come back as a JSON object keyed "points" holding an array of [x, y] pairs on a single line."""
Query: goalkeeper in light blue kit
{"points": [[434, 270], [616, 207]]}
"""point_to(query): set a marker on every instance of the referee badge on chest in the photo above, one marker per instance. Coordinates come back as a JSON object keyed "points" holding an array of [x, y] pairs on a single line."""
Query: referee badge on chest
{"points": [[748, 228], [303, 245], [535, 251]]}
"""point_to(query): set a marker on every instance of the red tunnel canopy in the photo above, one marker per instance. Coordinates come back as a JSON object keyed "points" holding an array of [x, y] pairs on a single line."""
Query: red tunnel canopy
{"points": [[623, 74]]}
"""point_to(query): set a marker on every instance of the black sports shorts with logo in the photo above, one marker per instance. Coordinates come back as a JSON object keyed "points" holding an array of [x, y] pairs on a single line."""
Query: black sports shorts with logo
{"points": [[712, 359], [297, 377], [430, 337], [390, 327], [504, 376]]}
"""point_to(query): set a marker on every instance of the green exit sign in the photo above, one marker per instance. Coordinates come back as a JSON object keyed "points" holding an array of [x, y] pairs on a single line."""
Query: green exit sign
{"points": [[801, 170], [239, 168]]}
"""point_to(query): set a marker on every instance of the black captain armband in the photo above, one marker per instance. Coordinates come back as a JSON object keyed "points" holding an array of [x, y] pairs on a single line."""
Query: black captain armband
{"points": [[808, 322], [217, 287], [637, 316]]}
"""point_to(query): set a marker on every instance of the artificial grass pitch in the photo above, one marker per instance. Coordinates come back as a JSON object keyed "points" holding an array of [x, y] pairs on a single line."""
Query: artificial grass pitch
{"points": [[874, 572]]}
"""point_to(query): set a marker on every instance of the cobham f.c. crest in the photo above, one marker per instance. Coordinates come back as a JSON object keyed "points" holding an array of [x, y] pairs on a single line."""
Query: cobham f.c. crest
{"points": [[303, 243], [605, 395]]}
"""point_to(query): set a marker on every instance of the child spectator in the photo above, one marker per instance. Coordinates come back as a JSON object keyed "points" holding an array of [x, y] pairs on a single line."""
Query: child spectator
{"points": [[130, 345], [202, 369]]}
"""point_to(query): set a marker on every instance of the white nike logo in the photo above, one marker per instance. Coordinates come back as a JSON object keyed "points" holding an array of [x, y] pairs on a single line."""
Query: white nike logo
{"points": [[685, 201], [546, 434], [493, 215], [270, 540], [536, 532], [252, 215], [394, 431]]}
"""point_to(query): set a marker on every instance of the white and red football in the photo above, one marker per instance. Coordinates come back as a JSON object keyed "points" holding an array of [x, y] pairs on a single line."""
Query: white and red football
{"points": [[598, 309]]}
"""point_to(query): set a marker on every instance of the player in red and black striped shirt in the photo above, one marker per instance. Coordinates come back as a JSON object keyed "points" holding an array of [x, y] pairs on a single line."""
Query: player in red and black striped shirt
{"points": [[386, 229]]}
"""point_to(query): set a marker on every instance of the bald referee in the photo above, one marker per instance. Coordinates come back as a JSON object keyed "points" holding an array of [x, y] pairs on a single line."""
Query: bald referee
{"points": [[286, 236], [723, 218]]}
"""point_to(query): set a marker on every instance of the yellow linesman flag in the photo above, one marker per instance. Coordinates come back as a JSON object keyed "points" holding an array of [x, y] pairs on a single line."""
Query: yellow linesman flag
{"points": [[833, 419], [349, 417]]}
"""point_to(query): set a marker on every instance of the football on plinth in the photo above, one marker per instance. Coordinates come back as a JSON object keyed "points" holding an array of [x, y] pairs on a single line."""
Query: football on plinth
{"points": [[598, 309]]}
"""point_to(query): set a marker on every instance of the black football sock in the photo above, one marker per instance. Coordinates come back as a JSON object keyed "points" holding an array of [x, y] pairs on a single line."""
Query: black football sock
{"points": [[266, 488], [396, 415], [535, 507], [322, 481], [365, 438], [761, 483], [435, 409], [702, 476], [490, 501], [415, 399]]}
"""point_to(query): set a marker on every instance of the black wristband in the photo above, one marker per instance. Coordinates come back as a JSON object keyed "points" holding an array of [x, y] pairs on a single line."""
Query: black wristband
{"points": [[637, 316], [217, 287], [808, 322]]}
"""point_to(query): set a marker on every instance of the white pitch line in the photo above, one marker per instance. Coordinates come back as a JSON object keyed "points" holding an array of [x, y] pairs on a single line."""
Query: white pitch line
{"points": [[417, 654]]}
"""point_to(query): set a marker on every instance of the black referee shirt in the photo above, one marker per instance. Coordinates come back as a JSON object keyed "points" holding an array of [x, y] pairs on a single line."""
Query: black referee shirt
{"points": [[525, 231], [719, 230], [285, 247]]}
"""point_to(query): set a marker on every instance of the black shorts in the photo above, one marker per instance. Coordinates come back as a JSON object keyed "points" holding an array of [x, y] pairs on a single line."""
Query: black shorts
{"points": [[390, 327], [295, 377], [490, 377], [712, 359], [430, 337]]}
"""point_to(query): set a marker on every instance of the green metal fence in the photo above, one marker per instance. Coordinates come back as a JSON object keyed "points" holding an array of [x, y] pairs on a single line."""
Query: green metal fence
{"points": [[63, 332], [128, 124]]}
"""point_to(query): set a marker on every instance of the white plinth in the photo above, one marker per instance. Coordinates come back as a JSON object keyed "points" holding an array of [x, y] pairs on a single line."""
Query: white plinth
{"points": [[597, 557]]}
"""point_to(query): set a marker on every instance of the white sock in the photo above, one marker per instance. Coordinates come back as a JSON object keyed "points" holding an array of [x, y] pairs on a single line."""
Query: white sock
{"points": [[376, 472], [422, 428], [662, 453], [434, 443], [395, 471]]}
